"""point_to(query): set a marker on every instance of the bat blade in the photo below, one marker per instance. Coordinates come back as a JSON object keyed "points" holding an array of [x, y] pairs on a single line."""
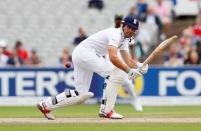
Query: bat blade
{"points": [[160, 48]]}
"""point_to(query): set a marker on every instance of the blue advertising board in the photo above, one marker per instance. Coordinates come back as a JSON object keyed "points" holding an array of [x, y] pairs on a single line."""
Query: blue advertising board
{"points": [[159, 81], [172, 82]]}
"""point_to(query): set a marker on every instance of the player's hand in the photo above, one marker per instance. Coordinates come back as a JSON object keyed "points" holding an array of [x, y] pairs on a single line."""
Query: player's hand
{"points": [[142, 68], [134, 73]]}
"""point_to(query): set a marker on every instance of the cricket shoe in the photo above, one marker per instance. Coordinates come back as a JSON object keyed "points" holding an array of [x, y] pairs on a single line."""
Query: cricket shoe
{"points": [[46, 112], [137, 105], [111, 115]]}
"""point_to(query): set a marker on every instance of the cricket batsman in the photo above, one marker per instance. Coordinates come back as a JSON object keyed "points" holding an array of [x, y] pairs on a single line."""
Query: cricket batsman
{"points": [[127, 83], [89, 57]]}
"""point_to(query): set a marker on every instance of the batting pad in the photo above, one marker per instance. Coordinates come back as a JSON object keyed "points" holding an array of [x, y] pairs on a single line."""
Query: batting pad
{"points": [[73, 100]]}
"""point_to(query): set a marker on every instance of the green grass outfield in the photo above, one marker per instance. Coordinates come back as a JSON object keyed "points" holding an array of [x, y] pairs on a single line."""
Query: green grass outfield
{"points": [[90, 111], [102, 127]]}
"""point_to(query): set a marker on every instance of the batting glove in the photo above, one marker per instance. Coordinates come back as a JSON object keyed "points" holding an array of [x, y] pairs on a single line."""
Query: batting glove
{"points": [[142, 68], [134, 73]]}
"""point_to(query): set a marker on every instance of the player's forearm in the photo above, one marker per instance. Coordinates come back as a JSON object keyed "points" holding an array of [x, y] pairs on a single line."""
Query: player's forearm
{"points": [[128, 59], [130, 62], [119, 64]]}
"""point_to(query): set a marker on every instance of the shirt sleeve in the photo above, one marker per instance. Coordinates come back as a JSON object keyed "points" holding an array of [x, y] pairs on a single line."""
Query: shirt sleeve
{"points": [[113, 41], [124, 46], [113, 38]]}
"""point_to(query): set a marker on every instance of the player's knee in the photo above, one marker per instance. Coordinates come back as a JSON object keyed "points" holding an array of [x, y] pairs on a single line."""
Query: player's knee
{"points": [[116, 77]]}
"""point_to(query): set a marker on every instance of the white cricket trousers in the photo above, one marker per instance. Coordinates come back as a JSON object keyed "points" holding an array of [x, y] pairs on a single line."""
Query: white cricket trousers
{"points": [[86, 62]]}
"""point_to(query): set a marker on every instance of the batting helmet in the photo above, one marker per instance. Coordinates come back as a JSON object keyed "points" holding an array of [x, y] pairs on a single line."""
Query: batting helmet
{"points": [[131, 21]]}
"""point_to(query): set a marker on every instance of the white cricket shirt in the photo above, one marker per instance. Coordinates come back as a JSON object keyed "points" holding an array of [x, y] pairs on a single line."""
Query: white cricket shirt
{"points": [[110, 36]]}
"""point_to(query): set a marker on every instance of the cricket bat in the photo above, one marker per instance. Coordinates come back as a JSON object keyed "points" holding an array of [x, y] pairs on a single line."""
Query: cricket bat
{"points": [[160, 48]]}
